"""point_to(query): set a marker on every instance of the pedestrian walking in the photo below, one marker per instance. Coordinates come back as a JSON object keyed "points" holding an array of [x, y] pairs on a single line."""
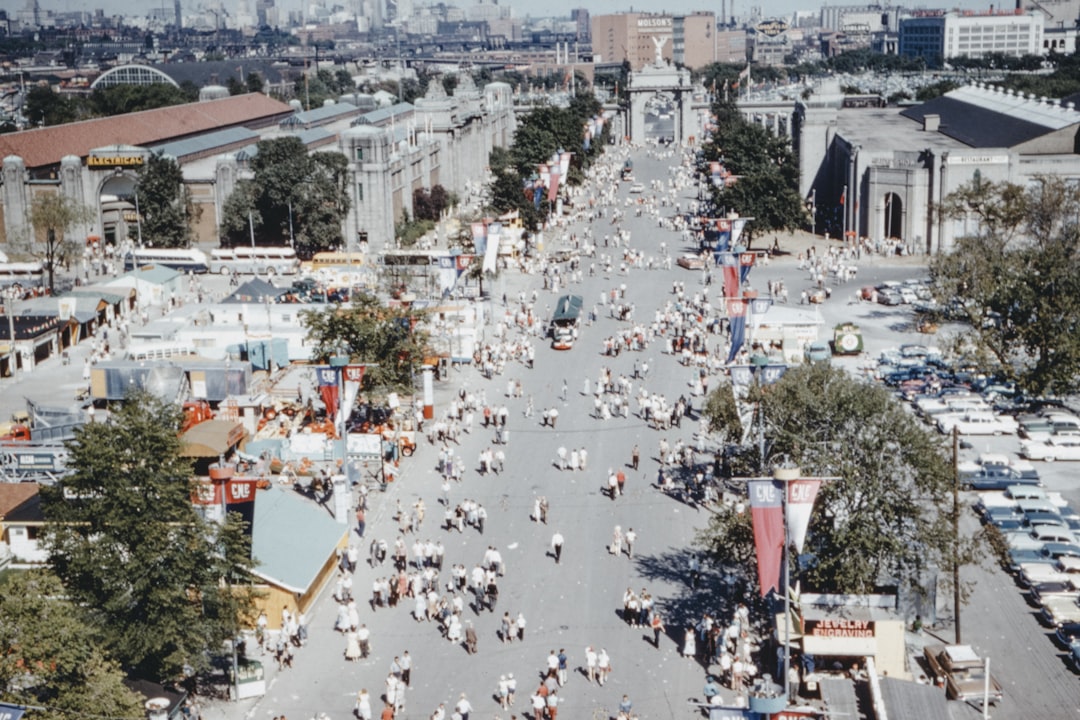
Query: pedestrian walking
{"points": [[471, 641], [635, 457], [616, 542], [556, 547], [657, 624], [521, 626]]}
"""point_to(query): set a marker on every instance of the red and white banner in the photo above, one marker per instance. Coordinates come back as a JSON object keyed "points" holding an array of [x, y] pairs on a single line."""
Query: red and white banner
{"points": [[767, 514], [354, 373], [801, 494]]}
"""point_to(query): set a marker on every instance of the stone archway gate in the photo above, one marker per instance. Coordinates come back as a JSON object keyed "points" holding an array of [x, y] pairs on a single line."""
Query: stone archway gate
{"points": [[652, 80]]}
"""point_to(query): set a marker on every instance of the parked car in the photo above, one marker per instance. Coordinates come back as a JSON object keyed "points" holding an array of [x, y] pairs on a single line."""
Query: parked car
{"points": [[1057, 447], [1043, 591], [691, 262], [978, 423], [1031, 574], [1041, 427], [1074, 655], [817, 352], [637, 188], [962, 672], [1067, 633], [889, 296], [1057, 611], [1040, 535]]}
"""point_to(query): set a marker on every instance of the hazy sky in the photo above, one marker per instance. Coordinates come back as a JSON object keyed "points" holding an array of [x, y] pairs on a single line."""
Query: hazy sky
{"points": [[742, 8]]}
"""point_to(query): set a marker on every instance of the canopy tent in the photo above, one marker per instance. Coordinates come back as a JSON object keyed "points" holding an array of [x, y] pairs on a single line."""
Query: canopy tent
{"points": [[212, 439]]}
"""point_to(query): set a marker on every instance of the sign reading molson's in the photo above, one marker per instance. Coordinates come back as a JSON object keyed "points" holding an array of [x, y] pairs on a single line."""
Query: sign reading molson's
{"points": [[771, 28], [116, 156]]}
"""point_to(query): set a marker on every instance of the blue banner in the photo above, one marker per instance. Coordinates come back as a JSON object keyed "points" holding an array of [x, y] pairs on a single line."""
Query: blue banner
{"points": [[738, 335], [11, 712]]}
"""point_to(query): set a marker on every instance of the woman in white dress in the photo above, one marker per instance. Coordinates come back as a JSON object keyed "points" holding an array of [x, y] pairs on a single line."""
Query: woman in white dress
{"points": [[616, 541], [352, 646], [363, 705], [453, 630], [342, 623], [689, 643]]}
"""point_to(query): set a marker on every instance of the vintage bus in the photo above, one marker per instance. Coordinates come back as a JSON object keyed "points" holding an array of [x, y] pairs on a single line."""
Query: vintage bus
{"points": [[181, 259], [254, 261]]}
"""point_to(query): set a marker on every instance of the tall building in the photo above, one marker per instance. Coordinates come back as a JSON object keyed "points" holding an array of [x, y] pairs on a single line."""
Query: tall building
{"points": [[937, 36], [580, 17], [689, 40]]}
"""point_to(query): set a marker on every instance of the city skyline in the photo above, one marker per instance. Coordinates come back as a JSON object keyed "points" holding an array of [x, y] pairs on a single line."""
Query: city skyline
{"points": [[558, 9]]}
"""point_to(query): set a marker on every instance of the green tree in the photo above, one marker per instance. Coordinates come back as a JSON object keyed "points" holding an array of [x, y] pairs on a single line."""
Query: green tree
{"points": [[292, 190], [1015, 278], [48, 108], [767, 175], [369, 332], [168, 213], [51, 656], [52, 217], [723, 414], [121, 99], [885, 518], [128, 545], [254, 82]]}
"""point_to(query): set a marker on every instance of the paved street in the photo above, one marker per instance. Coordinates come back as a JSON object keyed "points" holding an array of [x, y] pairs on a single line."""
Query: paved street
{"points": [[574, 604]]}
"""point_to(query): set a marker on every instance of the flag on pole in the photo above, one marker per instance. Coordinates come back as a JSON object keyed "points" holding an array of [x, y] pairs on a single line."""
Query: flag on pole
{"points": [[746, 262], [729, 263], [736, 309], [767, 515], [328, 389], [800, 503]]}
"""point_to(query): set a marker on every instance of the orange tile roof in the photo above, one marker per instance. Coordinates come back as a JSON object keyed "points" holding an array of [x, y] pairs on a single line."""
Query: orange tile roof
{"points": [[15, 495], [45, 146]]}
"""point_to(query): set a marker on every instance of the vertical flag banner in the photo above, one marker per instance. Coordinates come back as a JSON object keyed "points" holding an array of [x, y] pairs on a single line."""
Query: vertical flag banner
{"points": [[728, 261], [328, 389], [723, 238], [737, 226], [801, 496], [746, 262], [767, 514], [737, 317], [479, 237], [240, 498], [564, 163], [492, 254]]}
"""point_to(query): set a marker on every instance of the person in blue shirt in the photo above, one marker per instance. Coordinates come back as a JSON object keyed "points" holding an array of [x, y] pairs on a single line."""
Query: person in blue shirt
{"points": [[711, 689]]}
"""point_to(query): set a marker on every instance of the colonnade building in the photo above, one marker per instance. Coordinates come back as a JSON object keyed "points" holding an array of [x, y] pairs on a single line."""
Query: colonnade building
{"points": [[391, 152]]}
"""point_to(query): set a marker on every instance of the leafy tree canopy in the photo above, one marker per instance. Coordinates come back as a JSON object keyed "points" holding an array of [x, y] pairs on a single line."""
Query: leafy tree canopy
{"points": [[1016, 277], [165, 203], [52, 217], [50, 655], [369, 332], [766, 188], [880, 520], [292, 190], [129, 546]]}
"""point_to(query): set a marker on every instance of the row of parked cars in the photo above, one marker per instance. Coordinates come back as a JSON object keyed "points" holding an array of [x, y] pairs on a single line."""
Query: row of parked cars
{"points": [[1042, 534]]}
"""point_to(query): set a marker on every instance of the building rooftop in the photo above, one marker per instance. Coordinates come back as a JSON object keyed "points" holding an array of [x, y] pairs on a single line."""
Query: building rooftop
{"points": [[43, 147], [984, 116], [292, 538], [887, 129], [208, 142]]}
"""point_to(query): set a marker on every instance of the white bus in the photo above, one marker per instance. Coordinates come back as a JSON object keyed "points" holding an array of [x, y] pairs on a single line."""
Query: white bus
{"points": [[184, 260], [254, 260], [23, 274]]}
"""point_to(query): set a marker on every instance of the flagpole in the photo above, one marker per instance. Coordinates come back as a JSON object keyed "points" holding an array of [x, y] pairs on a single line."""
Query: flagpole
{"points": [[785, 476]]}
